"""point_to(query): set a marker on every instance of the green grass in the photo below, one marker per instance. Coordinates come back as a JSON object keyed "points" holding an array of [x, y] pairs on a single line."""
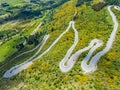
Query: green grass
{"points": [[7, 48], [14, 2]]}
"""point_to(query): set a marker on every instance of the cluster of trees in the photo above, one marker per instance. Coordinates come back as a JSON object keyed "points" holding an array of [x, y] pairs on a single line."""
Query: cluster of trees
{"points": [[24, 12], [5, 4], [113, 2], [99, 6], [31, 40], [7, 33], [42, 2], [80, 2], [20, 46], [52, 4], [28, 11]]}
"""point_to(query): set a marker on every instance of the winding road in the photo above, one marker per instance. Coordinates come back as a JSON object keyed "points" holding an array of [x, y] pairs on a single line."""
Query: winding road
{"points": [[18, 68], [94, 44], [93, 63], [68, 62], [117, 8], [71, 22]]}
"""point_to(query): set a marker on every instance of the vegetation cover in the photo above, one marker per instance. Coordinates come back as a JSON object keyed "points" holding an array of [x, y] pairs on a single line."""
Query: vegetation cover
{"points": [[19, 18]]}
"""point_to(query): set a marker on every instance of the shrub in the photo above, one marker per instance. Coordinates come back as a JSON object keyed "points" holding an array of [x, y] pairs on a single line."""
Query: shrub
{"points": [[99, 6]]}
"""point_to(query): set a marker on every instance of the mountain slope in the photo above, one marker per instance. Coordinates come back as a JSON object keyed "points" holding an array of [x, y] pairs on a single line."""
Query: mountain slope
{"points": [[45, 72]]}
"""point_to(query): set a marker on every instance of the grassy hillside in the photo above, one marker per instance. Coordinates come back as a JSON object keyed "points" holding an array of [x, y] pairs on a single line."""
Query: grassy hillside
{"points": [[13, 2], [45, 74]]}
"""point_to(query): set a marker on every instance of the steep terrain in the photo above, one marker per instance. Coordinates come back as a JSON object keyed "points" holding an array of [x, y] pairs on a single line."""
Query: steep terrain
{"points": [[59, 44]]}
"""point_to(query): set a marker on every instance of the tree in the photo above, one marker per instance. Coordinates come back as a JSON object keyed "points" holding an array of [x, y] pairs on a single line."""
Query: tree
{"points": [[19, 46], [99, 6], [113, 2], [80, 2], [52, 29]]}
